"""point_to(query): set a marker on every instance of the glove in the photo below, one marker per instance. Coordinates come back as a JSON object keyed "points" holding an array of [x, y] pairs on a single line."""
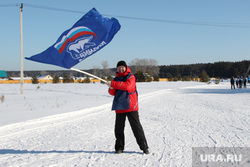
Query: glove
{"points": [[109, 84]]}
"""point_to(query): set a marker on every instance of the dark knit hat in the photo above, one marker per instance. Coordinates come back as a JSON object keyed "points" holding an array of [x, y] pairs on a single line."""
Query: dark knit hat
{"points": [[121, 63]]}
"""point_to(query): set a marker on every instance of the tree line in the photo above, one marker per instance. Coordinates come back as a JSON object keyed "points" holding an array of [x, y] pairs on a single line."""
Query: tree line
{"points": [[215, 70], [148, 69]]}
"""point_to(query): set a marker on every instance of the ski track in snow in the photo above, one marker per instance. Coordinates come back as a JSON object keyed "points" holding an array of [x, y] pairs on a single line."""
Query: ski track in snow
{"points": [[174, 119]]}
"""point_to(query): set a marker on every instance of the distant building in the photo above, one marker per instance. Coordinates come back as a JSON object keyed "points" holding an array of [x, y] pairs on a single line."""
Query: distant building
{"points": [[18, 78], [45, 77], [3, 74]]}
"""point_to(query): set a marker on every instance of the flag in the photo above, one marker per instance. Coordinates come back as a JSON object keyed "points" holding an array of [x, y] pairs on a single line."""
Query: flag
{"points": [[87, 36]]}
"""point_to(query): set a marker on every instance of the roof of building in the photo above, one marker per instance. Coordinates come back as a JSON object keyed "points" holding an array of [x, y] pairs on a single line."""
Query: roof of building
{"points": [[3, 74], [44, 76]]}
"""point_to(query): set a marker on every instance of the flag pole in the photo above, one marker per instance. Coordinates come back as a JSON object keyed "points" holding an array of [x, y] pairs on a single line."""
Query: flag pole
{"points": [[21, 48], [89, 74]]}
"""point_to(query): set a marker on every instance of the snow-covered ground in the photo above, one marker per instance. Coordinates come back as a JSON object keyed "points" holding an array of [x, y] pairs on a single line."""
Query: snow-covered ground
{"points": [[72, 124]]}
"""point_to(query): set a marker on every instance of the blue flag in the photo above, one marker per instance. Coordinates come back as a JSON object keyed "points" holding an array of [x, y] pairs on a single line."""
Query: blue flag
{"points": [[87, 36]]}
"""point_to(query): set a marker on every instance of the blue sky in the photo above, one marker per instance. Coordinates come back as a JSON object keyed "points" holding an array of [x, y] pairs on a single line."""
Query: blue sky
{"points": [[166, 42]]}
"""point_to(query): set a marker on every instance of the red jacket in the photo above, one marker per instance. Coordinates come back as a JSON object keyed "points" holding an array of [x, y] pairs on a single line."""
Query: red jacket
{"points": [[129, 85]]}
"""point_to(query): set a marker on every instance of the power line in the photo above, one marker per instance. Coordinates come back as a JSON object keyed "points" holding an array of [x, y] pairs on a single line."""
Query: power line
{"points": [[54, 9], [237, 25], [195, 23], [9, 5], [240, 25]]}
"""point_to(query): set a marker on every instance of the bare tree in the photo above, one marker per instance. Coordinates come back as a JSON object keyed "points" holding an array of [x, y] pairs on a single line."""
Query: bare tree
{"points": [[145, 65], [105, 67], [153, 67]]}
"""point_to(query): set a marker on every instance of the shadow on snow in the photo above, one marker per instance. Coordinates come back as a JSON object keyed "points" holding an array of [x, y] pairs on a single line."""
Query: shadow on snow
{"points": [[219, 91], [12, 151]]}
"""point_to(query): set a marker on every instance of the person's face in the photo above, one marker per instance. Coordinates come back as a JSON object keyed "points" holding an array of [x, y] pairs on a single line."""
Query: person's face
{"points": [[121, 69]]}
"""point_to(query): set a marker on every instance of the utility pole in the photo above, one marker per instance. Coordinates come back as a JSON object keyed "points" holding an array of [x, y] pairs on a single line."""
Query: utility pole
{"points": [[21, 47]]}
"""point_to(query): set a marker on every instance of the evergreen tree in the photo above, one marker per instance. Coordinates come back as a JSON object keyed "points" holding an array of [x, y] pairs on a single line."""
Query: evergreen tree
{"points": [[140, 77], [147, 76], [204, 77], [178, 77], [87, 80], [66, 79], [56, 79], [169, 77], [35, 80], [186, 78]]}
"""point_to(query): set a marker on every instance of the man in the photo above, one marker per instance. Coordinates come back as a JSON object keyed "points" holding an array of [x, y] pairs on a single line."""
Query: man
{"points": [[125, 104], [232, 83]]}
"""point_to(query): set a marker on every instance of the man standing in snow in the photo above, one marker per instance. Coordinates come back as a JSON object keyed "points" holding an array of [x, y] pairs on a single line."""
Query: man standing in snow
{"points": [[232, 83], [125, 104]]}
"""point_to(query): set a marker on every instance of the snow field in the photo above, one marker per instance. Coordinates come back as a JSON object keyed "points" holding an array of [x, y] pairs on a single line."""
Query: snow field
{"points": [[176, 116]]}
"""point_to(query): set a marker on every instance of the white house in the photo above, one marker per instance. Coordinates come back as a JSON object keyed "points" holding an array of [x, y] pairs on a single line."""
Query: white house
{"points": [[45, 77]]}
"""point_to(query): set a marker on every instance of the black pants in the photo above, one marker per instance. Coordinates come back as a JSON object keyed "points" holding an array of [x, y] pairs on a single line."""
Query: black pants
{"points": [[232, 86], [137, 129]]}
